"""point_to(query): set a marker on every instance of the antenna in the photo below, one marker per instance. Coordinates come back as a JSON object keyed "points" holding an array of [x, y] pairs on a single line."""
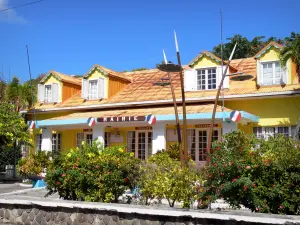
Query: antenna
{"points": [[222, 62], [32, 94]]}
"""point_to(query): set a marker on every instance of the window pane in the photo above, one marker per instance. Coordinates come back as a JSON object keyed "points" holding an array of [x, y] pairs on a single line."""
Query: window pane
{"points": [[202, 145], [89, 139], [141, 145], [284, 131], [79, 139], [257, 131], [201, 80], [212, 79], [278, 73], [268, 73], [131, 141], [48, 93], [93, 89], [192, 143], [149, 144], [269, 132]]}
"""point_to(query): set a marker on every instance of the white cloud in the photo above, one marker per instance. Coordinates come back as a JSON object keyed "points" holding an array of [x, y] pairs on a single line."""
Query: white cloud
{"points": [[9, 16]]}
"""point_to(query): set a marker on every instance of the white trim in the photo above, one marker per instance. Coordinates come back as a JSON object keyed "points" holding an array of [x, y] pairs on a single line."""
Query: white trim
{"points": [[144, 103]]}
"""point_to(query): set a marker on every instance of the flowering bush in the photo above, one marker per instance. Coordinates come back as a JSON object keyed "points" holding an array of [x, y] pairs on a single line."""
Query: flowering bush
{"points": [[164, 177], [34, 163], [92, 173], [262, 175]]}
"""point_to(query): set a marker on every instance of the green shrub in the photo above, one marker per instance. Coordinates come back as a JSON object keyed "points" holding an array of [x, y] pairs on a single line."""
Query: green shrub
{"points": [[92, 173], [163, 177], [261, 175], [34, 163]]}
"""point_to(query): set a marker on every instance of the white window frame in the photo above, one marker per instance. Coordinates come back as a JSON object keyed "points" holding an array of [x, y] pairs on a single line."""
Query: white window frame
{"points": [[148, 151], [262, 63], [47, 97], [90, 96], [264, 133], [57, 145], [79, 144], [206, 78], [38, 141]]}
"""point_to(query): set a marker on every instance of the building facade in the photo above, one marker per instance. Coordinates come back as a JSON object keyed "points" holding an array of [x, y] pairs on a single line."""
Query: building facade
{"points": [[128, 109]]}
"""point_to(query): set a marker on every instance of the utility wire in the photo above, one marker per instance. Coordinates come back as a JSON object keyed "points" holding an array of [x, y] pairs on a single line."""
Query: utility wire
{"points": [[19, 6]]}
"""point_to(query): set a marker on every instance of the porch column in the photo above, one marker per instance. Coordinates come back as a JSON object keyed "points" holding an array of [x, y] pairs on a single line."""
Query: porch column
{"points": [[228, 126], [98, 133], [159, 137], [46, 139]]}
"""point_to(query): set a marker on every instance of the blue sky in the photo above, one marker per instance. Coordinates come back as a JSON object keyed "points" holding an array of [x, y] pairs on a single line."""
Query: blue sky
{"points": [[70, 36]]}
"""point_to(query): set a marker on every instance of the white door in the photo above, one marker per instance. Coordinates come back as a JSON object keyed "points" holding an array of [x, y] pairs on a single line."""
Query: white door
{"points": [[140, 142]]}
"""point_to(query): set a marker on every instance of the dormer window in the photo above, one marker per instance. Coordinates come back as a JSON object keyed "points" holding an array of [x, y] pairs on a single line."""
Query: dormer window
{"points": [[207, 79], [272, 73], [93, 89], [48, 93]]}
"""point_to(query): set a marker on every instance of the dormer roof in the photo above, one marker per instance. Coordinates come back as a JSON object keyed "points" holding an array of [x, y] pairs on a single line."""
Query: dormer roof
{"points": [[267, 47], [62, 77]]}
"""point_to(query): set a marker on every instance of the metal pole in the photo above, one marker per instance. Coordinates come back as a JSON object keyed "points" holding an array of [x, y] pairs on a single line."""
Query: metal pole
{"points": [[32, 94], [184, 130], [216, 102]]}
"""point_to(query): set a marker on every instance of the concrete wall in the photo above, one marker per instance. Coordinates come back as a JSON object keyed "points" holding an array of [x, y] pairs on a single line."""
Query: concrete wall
{"points": [[67, 212]]}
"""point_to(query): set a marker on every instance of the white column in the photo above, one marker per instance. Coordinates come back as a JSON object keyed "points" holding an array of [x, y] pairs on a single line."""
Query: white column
{"points": [[229, 127], [98, 133], [46, 139], [159, 137]]}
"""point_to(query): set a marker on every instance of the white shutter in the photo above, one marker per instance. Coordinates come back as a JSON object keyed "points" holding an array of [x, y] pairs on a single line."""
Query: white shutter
{"points": [[101, 88], [41, 93], [226, 80], [259, 76], [55, 90], [219, 75], [84, 88], [285, 73], [190, 80]]}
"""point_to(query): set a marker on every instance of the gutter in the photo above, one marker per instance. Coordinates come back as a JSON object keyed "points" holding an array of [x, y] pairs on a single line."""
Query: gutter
{"points": [[161, 102]]}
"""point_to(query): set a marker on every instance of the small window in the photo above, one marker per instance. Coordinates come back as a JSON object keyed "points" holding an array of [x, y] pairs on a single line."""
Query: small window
{"points": [[266, 132], [79, 139], [48, 93], [89, 139], [56, 143], [38, 141], [257, 131], [131, 141], [272, 73], [192, 143], [86, 137], [283, 130], [93, 89], [207, 79]]}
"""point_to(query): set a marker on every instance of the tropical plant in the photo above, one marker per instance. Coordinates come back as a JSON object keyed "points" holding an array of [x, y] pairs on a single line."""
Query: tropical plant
{"points": [[33, 164], [291, 51], [92, 173], [262, 175], [164, 177]]}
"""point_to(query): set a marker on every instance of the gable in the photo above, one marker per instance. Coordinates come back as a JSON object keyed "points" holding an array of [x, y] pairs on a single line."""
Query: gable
{"points": [[269, 54], [51, 79], [205, 61], [96, 74]]}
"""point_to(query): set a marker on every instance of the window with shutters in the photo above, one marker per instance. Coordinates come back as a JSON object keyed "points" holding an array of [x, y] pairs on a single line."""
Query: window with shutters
{"points": [[48, 93], [207, 79], [266, 132], [272, 73]]}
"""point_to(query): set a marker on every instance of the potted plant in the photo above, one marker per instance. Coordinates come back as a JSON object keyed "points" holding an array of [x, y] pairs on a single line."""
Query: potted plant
{"points": [[33, 166]]}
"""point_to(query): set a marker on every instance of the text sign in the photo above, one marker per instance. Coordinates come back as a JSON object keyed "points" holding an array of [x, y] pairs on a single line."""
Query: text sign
{"points": [[120, 119], [204, 125]]}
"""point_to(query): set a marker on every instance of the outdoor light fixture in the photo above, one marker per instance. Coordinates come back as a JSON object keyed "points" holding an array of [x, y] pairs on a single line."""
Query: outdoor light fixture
{"points": [[169, 67]]}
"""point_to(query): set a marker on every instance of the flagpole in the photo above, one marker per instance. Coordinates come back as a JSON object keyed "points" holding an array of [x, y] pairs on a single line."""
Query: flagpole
{"points": [[175, 104], [184, 152]]}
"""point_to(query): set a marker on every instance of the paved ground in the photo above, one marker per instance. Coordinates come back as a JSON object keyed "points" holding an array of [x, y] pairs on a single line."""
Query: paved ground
{"points": [[6, 187]]}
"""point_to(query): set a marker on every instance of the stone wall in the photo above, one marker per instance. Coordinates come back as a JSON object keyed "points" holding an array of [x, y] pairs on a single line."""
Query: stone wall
{"points": [[35, 214]]}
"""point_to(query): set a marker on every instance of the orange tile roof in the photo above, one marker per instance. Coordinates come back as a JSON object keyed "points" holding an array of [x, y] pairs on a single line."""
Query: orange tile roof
{"points": [[167, 110], [108, 72], [272, 43], [63, 77]]}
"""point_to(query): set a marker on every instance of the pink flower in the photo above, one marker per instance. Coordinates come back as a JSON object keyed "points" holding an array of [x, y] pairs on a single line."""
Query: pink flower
{"points": [[230, 163], [257, 209], [63, 175], [245, 188], [97, 167], [267, 164], [57, 183], [218, 148], [233, 180], [225, 165], [214, 165], [248, 167], [281, 207]]}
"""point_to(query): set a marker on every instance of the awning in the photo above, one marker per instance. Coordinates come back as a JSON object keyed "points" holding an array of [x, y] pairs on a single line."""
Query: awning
{"points": [[194, 112]]}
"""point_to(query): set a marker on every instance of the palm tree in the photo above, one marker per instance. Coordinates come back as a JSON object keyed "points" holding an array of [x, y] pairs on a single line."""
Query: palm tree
{"points": [[291, 51]]}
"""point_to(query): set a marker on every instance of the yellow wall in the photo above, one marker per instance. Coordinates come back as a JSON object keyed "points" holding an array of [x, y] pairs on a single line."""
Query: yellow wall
{"points": [[96, 74], [52, 80], [271, 111], [205, 61], [68, 138], [271, 54], [44, 116]]}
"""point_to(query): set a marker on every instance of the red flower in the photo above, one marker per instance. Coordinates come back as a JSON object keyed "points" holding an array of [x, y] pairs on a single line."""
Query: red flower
{"points": [[233, 180], [238, 177], [225, 165], [267, 164], [222, 174], [82, 172], [63, 175], [218, 148], [257, 209], [214, 165], [253, 185], [230, 163], [281, 207], [126, 179], [108, 172], [273, 185], [208, 159], [245, 188], [252, 153], [57, 183]]}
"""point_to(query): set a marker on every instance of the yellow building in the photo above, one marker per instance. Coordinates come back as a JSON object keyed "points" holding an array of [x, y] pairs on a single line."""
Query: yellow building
{"points": [[126, 108]]}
